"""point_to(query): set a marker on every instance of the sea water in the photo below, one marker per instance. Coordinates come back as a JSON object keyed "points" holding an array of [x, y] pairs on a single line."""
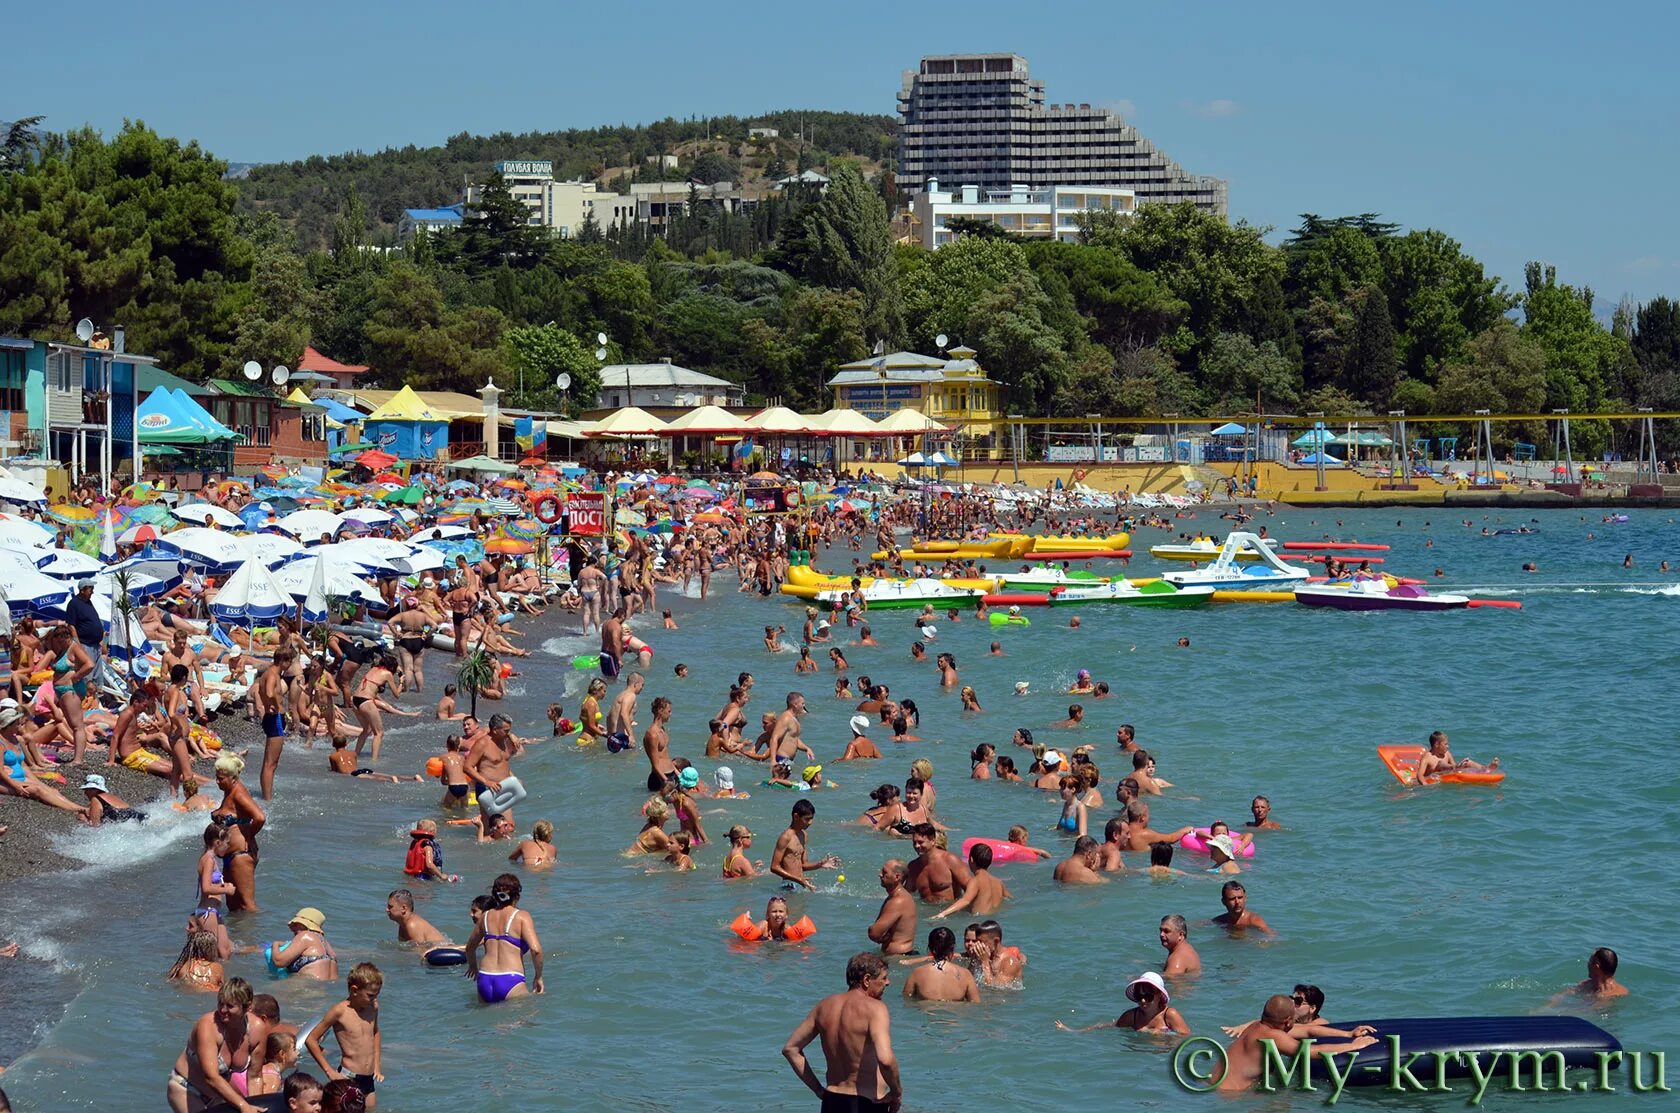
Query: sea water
{"points": [[1445, 901]]}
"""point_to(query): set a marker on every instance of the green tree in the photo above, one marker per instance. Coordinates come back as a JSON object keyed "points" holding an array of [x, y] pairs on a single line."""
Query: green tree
{"points": [[1655, 343], [1122, 305], [1501, 370], [497, 228], [18, 146], [1237, 374], [824, 329], [1585, 363], [414, 338], [537, 354], [1370, 369], [1438, 298], [278, 316], [843, 241], [1219, 270], [712, 167], [139, 231]]}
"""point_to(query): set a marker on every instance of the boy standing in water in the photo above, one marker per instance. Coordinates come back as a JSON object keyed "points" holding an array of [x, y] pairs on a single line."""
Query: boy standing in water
{"points": [[355, 1024]]}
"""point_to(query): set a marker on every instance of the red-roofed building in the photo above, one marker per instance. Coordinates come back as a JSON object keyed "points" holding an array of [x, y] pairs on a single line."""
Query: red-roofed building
{"points": [[344, 374]]}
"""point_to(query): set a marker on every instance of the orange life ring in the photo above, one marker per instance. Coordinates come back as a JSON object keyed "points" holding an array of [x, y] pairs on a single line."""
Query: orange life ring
{"points": [[550, 515]]}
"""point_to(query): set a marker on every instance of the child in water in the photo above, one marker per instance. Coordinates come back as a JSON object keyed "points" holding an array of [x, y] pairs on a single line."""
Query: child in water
{"points": [[678, 855]]}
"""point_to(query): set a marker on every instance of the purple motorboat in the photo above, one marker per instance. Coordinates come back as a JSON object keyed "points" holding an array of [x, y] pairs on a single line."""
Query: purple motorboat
{"points": [[1377, 595]]}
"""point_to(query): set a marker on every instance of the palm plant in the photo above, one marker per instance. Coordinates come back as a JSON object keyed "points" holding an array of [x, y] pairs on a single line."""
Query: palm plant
{"points": [[124, 604], [476, 673]]}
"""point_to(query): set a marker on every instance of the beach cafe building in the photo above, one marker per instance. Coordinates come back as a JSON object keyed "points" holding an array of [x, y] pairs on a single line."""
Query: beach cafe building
{"points": [[954, 392]]}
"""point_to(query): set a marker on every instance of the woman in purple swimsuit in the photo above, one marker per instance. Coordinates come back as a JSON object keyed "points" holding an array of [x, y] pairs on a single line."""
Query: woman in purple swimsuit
{"points": [[507, 935]]}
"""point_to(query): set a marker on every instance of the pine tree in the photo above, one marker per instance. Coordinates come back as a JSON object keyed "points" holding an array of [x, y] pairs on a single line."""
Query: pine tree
{"points": [[498, 228], [1372, 370]]}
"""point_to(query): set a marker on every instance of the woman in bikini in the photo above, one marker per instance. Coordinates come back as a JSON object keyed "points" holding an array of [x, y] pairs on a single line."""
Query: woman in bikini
{"points": [[218, 1053], [383, 675], [71, 668], [239, 813], [887, 812], [507, 934]]}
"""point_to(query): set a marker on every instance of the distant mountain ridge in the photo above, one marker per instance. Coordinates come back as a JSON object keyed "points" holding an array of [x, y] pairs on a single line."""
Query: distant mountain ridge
{"points": [[309, 193]]}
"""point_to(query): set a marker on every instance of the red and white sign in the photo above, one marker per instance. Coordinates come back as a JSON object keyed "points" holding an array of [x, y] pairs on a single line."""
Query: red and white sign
{"points": [[586, 512]]}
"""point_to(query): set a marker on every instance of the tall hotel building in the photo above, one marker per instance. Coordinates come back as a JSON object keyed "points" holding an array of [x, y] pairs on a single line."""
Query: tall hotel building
{"points": [[979, 119]]}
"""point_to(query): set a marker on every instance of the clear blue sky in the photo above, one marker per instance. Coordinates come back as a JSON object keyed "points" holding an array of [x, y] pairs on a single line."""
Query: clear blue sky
{"points": [[1527, 130]]}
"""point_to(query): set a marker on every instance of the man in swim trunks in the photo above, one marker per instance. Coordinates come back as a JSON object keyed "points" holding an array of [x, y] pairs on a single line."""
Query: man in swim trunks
{"points": [[791, 858], [488, 765], [270, 697], [936, 875], [656, 743], [895, 926], [942, 979], [855, 1028], [1438, 760], [1182, 958], [612, 642], [993, 963], [1080, 867], [411, 926], [621, 716], [785, 738], [1262, 809], [1238, 917], [1243, 1060]]}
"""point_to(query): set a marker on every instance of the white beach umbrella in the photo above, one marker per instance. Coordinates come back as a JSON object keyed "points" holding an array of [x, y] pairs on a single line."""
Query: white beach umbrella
{"points": [[70, 564], [368, 515], [308, 525], [334, 576], [251, 596], [17, 490], [358, 560], [203, 513], [214, 549], [29, 592], [273, 549], [23, 531]]}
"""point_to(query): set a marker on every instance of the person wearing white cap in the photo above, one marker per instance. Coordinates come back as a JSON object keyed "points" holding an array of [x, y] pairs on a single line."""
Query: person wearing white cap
{"points": [[103, 805], [860, 748], [1152, 1010], [1224, 854]]}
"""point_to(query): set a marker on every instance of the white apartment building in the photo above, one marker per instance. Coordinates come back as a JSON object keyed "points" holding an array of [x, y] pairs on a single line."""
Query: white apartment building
{"points": [[561, 206], [1031, 212]]}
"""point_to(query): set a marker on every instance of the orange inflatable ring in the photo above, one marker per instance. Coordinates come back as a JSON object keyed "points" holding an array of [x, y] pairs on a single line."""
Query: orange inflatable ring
{"points": [[434, 766], [744, 926], [547, 509]]}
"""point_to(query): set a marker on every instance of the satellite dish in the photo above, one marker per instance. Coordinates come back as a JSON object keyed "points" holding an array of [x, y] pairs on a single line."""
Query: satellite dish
{"points": [[253, 370], [601, 339], [564, 381], [941, 340], [600, 353], [280, 375], [84, 330]]}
